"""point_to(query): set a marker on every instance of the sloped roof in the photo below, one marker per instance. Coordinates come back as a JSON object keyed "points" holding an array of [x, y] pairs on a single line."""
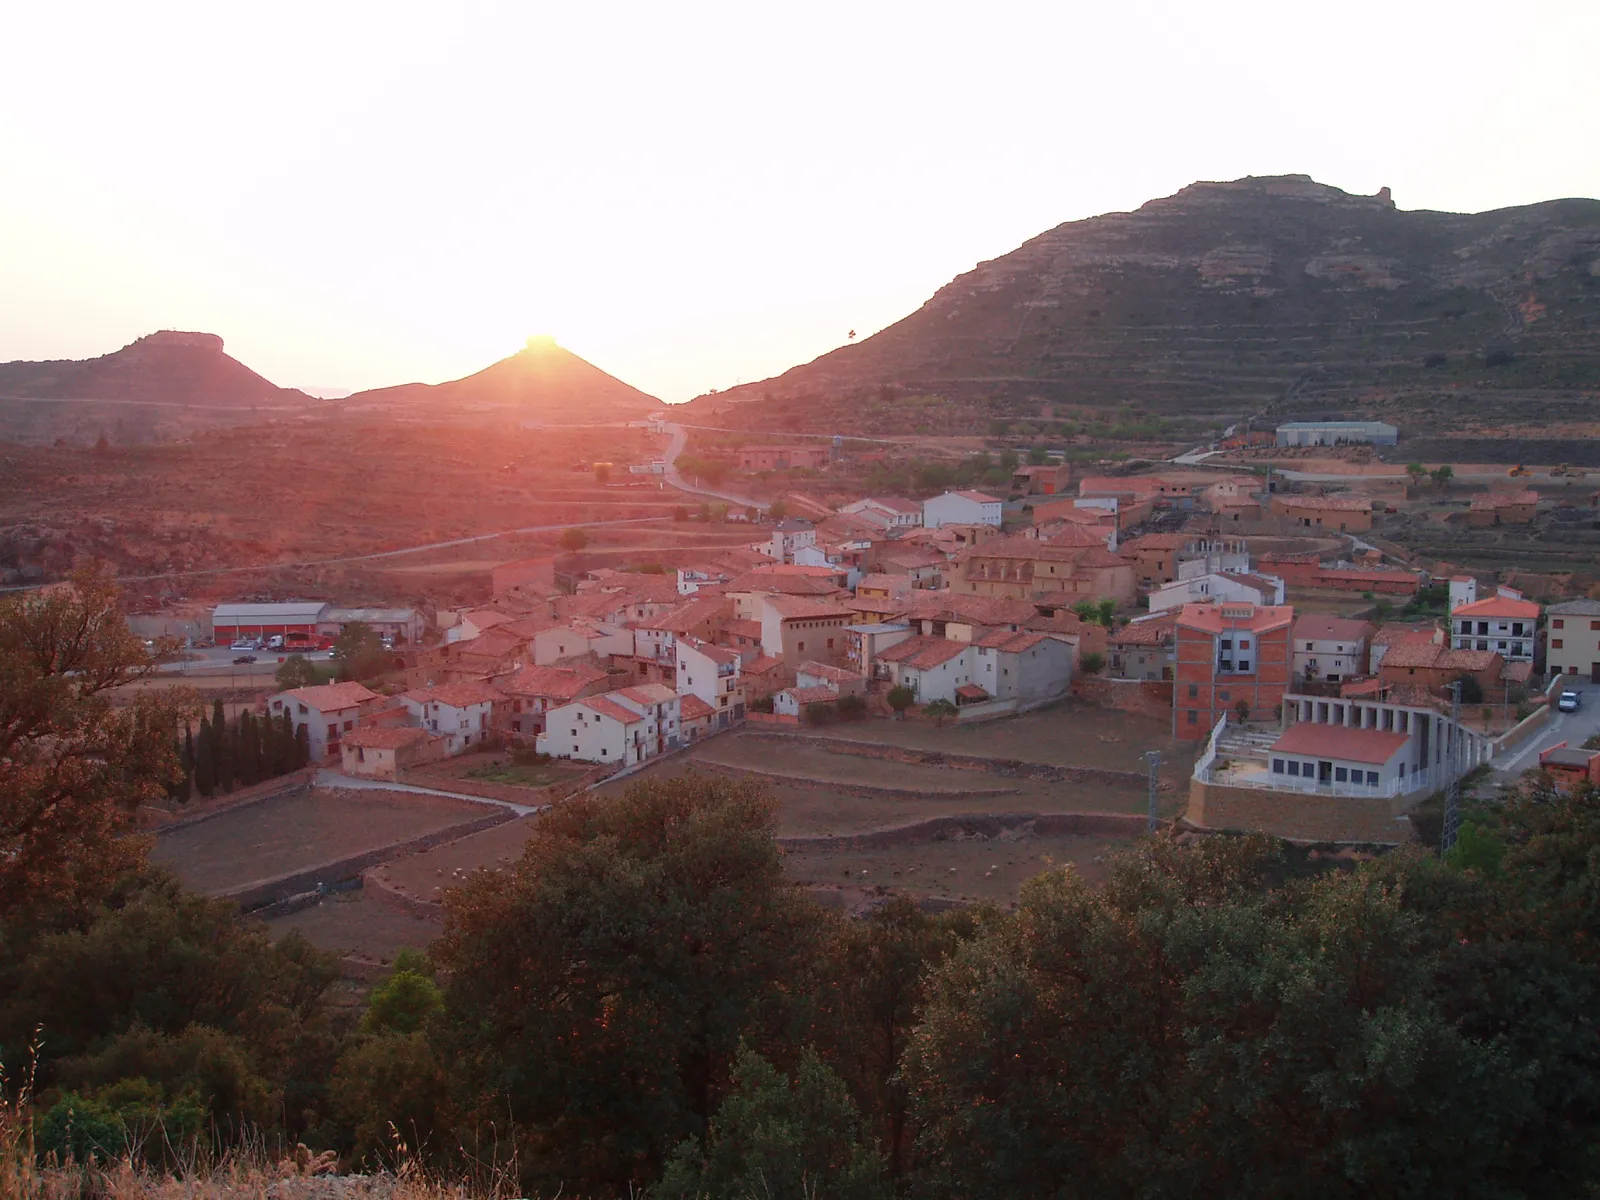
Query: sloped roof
{"points": [[1154, 631], [824, 671], [785, 584], [459, 695], [813, 695], [1499, 607], [1157, 541], [1372, 746], [1216, 618], [647, 693], [1574, 608], [971, 691], [555, 683], [391, 737], [607, 707], [1328, 503], [880, 579], [332, 697], [1010, 641], [796, 607], [692, 708], [922, 652], [1494, 500]]}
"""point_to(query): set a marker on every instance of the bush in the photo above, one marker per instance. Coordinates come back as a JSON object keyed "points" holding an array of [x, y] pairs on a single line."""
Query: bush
{"points": [[820, 714], [761, 704], [524, 757], [901, 698], [1092, 663], [851, 708]]}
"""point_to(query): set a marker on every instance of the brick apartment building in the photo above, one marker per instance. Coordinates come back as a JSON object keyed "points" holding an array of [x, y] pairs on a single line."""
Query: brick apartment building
{"points": [[1227, 653]]}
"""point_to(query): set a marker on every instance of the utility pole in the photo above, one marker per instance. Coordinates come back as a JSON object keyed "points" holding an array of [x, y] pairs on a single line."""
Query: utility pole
{"points": [[1452, 795], [1152, 760]]}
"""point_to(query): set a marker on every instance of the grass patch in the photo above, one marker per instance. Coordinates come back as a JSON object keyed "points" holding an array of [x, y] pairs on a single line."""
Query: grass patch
{"points": [[517, 775]]}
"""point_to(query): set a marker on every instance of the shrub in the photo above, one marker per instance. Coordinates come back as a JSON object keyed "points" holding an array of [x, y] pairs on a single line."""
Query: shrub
{"points": [[851, 708], [761, 704], [1092, 663], [901, 698], [820, 714], [939, 710]]}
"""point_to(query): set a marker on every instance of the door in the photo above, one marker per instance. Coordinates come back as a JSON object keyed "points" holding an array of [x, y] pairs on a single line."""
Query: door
{"points": [[1324, 772], [1594, 672]]}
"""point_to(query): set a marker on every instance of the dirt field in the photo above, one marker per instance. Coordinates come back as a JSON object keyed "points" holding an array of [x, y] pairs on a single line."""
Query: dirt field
{"points": [[1066, 734], [423, 876], [356, 925], [294, 833], [992, 871]]}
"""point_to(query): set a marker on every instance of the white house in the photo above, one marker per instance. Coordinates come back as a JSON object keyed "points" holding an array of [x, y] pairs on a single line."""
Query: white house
{"points": [[1220, 587], [962, 508], [711, 673], [788, 536], [327, 712], [461, 713], [1022, 666], [1463, 590], [932, 667], [1504, 623], [595, 729], [1331, 649], [889, 513], [659, 707]]}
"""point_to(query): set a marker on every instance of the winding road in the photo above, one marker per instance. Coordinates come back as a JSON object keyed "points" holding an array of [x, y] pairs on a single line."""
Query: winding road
{"points": [[675, 443]]}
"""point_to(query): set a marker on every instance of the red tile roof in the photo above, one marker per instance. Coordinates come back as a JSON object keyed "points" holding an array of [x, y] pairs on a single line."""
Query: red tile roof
{"points": [[610, 708], [647, 693], [761, 664], [1494, 500], [1009, 641], [375, 738], [1216, 618], [786, 584], [792, 608], [971, 691], [813, 695], [1328, 503], [1157, 541], [978, 497], [1500, 607], [1372, 746], [692, 708], [458, 695], [1154, 631], [333, 697], [824, 671], [749, 629], [553, 683], [922, 652]]}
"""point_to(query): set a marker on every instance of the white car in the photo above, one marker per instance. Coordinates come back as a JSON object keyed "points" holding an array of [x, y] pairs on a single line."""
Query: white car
{"points": [[1568, 702], [243, 644]]}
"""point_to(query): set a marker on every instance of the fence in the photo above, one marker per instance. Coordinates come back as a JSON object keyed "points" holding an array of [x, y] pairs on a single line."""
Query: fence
{"points": [[1202, 766]]}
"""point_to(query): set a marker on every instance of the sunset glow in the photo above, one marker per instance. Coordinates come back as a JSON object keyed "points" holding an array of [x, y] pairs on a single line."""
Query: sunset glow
{"points": [[361, 194]]}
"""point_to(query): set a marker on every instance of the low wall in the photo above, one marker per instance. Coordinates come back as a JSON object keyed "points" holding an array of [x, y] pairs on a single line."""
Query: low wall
{"points": [[1006, 767], [761, 718], [1375, 820], [195, 813], [510, 793], [980, 826], [255, 895], [864, 790], [1147, 697]]}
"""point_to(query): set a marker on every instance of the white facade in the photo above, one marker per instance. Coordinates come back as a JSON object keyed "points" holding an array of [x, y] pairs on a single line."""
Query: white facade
{"points": [[1039, 672], [1330, 433], [888, 516], [788, 536], [1209, 558], [937, 682], [711, 673], [1463, 590], [962, 508], [1216, 589], [576, 641], [1512, 636], [461, 725], [594, 734], [1331, 660]]}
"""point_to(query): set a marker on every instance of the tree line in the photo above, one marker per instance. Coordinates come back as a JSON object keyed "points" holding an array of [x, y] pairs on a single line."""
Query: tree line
{"points": [[223, 754], [643, 1004]]}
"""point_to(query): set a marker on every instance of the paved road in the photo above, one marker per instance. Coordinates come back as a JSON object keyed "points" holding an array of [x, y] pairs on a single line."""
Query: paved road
{"points": [[338, 779], [1572, 728], [675, 442], [218, 660]]}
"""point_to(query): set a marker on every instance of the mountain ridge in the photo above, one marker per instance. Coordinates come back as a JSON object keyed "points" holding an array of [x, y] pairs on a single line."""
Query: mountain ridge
{"points": [[1225, 297]]}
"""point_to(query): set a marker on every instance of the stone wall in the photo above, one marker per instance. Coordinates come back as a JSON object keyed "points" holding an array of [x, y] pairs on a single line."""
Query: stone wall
{"points": [[1150, 698], [1299, 817]]}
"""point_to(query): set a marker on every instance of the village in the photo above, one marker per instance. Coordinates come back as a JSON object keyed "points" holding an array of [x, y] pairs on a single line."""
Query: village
{"points": [[1302, 681]]}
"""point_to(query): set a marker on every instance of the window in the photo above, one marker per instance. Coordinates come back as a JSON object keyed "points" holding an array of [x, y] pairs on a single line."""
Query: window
{"points": [[802, 646], [830, 643], [1277, 766], [1194, 717], [1555, 643], [1558, 623], [1222, 695], [1244, 664], [1372, 779], [1194, 691], [1294, 767], [1594, 625], [1341, 775], [333, 733]]}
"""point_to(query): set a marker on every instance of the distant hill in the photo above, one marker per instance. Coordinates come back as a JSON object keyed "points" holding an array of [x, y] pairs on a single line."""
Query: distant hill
{"points": [[161, 385], [1226, 299], [542, 381]]}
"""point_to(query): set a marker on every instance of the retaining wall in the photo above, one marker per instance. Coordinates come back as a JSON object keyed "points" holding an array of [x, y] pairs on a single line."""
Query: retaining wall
{"points": [[1010, 768], [1300, 817], [1147, 697], [864, 790], [262, 892], [979, 826], [260, 793]]}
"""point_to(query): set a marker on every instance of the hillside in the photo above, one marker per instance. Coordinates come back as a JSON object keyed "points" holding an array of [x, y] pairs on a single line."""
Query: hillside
{"points": [[1222, 300], [542, 381], [161, 385]]}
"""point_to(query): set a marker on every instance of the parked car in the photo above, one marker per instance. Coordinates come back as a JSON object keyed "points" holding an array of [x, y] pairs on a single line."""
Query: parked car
{"points": [[1569, 702], [245, 644], [243, 659]]}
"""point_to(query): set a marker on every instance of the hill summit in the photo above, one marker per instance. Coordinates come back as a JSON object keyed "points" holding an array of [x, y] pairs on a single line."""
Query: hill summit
{"points": [[1225, 298], [542, 380], [166, 367]]}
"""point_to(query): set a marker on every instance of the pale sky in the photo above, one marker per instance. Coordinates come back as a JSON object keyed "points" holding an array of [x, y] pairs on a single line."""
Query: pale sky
{"points": [[690, 195]]}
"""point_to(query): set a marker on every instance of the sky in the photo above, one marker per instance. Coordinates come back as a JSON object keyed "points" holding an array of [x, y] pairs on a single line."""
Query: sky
{"points": [[693, 195]]}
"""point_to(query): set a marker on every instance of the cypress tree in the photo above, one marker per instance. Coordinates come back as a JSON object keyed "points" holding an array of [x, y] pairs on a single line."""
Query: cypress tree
{"points": [[205, 760], [302, 745], [250, 746], [221, 750]]}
